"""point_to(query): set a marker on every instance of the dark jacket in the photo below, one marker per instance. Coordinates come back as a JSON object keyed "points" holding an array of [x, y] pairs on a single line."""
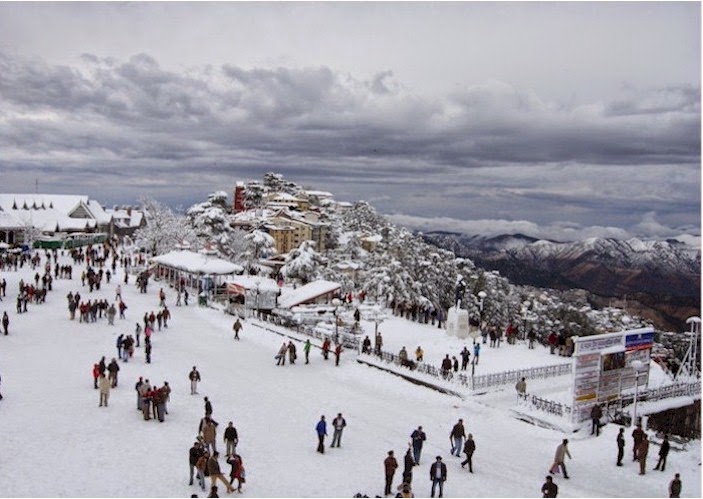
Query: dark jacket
{"points": [[469, 446], [433, 470], [418, 437], [458, 430], [408, 462], [596, 412], [194, 454], [550, 489], [390, 464], [231, 433], [621, 441], [664, 450]]}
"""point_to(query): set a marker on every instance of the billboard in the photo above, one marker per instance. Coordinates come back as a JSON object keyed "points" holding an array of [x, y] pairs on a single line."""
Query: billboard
{"points": [[603, 367]]}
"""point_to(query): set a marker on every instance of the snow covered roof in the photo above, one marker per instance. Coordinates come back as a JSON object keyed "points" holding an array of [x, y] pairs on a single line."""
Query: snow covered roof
{"points": [[292, 297], [126, 218], [46, 212], [244, 282], [319, 194], [197, 263]]}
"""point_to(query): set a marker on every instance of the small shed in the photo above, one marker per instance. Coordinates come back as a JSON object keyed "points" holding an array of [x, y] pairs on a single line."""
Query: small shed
{"points": [[194, 269], [314, 292], [255, 292]]}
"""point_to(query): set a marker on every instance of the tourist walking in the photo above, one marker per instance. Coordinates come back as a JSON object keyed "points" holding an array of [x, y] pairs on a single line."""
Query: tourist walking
{"points": [[559, 456], [194, 378], [438, 475], [390, 464], [417, 437], [637, 436], [213, 467], [321, 429], [104, 385], [338, 423], [236, 328], [663, 452], [596, 414], [621, 446], [675, 486], [456, 437], [231, 439], [521, 389], [642, 450], [469, 448], [549, 488], [306, 349]]}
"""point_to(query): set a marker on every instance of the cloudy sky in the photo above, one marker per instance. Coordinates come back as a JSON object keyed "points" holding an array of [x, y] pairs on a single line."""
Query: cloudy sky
{"points": [[560, 120]]}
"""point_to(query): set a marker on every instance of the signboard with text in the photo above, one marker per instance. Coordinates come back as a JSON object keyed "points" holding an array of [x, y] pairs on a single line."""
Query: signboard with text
{"points": [[603, 367]]}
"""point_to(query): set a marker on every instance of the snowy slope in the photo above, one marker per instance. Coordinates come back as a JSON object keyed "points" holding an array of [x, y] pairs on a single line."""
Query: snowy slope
{"points": [[57, 442]]}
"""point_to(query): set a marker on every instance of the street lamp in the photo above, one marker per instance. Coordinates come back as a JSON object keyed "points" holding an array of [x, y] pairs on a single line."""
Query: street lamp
{"points": [[525, 308], [336, 302], [638, 366]]}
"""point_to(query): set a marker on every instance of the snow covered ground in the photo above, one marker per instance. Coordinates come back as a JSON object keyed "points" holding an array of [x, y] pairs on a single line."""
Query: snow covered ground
{"points": [[57, 442]]}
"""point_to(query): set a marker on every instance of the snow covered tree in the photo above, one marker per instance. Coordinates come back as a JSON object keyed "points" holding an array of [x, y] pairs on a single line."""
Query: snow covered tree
{"points": [[254, 194], [259, 244], [30, 233], [164, 229], [303, 263]]}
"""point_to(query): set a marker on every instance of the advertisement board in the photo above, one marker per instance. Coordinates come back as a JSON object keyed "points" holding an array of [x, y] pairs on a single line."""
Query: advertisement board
{"points": [[603, 367]]}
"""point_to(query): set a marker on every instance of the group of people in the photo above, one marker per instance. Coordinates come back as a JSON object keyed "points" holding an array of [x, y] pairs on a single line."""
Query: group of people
{"points": [[640, 449], [152, 400], [289, 350], [203, 456]]}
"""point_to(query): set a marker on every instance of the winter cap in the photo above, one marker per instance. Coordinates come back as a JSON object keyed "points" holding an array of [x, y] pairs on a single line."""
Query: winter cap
{"points": [[439, 458]]}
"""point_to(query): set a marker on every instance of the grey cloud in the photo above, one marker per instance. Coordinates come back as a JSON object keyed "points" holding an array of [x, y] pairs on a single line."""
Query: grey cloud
{"points": [[132, 115]]}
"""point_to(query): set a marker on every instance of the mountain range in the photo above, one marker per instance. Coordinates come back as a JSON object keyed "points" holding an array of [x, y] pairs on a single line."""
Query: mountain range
{"points": [[656, 279]]}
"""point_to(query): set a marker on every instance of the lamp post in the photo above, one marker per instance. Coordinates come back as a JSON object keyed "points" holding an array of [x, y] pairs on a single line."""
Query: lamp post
{"points": [[336, 302], [525, 308], [637, 365]]}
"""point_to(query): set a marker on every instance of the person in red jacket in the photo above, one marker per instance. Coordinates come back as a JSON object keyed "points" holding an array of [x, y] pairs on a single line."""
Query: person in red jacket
{"points": [[96, 375], [326, 348]]}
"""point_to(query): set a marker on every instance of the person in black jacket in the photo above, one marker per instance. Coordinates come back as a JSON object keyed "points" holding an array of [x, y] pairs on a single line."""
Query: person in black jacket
{"points": [[193, 455], [469, 448], [457, 438], [418, 437], [438, 475], [113, 369], [549, 488], [408, 463], [621, 446], [675, 486], [231, 439], [663, 452], [208, 407], [596, 414]]}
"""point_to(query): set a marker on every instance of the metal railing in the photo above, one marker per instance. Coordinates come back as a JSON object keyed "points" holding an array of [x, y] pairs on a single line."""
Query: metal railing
{"points": [[653, 394], [481, 381], [549, 406]]}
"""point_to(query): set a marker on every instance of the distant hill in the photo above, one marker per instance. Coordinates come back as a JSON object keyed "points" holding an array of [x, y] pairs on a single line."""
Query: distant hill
{"points": [[659, 280]]}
